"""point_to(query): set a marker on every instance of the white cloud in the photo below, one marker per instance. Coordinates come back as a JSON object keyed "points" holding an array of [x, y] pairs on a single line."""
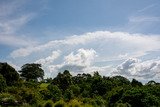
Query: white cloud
{"points": [[76, 62], [78, 54], [133, 44], [141, 70], [49, 59], [83, 57]]}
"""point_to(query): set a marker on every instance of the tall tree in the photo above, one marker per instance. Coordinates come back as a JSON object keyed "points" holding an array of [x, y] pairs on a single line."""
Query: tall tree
{"points": [[9, 73], [32, 71]]}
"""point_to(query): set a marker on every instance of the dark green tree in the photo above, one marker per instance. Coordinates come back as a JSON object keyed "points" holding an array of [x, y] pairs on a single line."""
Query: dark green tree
{"points": [[9, 73], [120, 80], [68, 95], [56, 93], [63, 80], [2, 83], [136, 83], [32, 71]]}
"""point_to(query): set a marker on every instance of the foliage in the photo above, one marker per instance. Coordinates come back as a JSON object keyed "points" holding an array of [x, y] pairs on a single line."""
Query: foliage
{"points": [[65, 90], [49, 104], [136, 83], [56, 93], [60, 103], [9, 73], [32, 71], [63, 80], [68, 95], [2, 83], [75, 103], [7, 99]]}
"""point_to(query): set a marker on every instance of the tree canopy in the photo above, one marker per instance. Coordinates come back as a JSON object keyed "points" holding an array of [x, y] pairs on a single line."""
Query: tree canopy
{"points": [[65, 90], [32, 71], [9, 73]]}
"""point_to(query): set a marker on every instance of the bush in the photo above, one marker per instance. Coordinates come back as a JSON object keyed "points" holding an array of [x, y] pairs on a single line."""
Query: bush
{"points": [[48, 104], [55, 92], [68, 95], [46, 94], [60, 103], [75, 103], [7, 99], [122, 105]]}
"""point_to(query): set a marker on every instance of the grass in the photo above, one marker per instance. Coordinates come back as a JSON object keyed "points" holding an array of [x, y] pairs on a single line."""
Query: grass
{"points": [[44, 86]]}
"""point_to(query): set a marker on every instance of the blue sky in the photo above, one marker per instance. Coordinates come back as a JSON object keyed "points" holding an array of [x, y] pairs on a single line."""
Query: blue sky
{"points": [[114, 37]]}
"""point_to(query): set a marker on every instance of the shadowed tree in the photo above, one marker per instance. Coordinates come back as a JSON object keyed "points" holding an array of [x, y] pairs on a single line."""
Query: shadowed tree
{"points": [[32, 72], [135, 83], [2, 83], [9, 73]]}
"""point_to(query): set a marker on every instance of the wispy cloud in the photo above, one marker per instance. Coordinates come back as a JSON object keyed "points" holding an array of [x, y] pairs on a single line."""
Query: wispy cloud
{"points": [[144, 19], [9, 8], [11, 21], [146, 8]]}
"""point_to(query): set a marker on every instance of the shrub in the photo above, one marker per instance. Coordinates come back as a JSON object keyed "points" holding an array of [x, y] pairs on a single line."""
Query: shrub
{"points": [[7, 99], [60, 103], [75, 103], [48, 104]]}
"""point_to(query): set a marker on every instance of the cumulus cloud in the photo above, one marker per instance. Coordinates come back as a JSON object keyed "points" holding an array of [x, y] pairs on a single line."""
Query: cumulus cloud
{"points": [[108, 46], [49, 59], [76, 62], [142, 70], [132, 44], [83, 57]]}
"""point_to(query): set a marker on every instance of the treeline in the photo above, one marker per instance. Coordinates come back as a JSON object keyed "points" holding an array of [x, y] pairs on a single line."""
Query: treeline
{"points": [[27, 88]]}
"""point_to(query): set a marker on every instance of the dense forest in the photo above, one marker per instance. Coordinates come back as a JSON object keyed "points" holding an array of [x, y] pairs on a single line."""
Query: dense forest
{"points": [[28, 88]]}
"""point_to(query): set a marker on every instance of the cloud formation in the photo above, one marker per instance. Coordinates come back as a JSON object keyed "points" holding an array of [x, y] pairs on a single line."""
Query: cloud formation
{"points": [[94, 51], [142, 70], [132, 44], [75, 62], [49, 59]]}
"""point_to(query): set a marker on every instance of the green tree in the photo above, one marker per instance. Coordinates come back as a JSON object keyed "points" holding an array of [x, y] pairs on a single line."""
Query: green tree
{"points": [[9, 73], [32, 71], [151, 83], [56, 93], [136, 83], [75, 89], [134, 97], [63, 80], [2, 83], [120, 80], [68, 95]]}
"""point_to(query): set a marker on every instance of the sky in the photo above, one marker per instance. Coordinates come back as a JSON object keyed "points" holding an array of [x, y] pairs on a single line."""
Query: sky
{"points": [[114, 37]]}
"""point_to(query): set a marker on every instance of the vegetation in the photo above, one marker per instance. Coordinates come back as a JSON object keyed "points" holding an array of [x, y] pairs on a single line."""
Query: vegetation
{"points": [[28, 89]]}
